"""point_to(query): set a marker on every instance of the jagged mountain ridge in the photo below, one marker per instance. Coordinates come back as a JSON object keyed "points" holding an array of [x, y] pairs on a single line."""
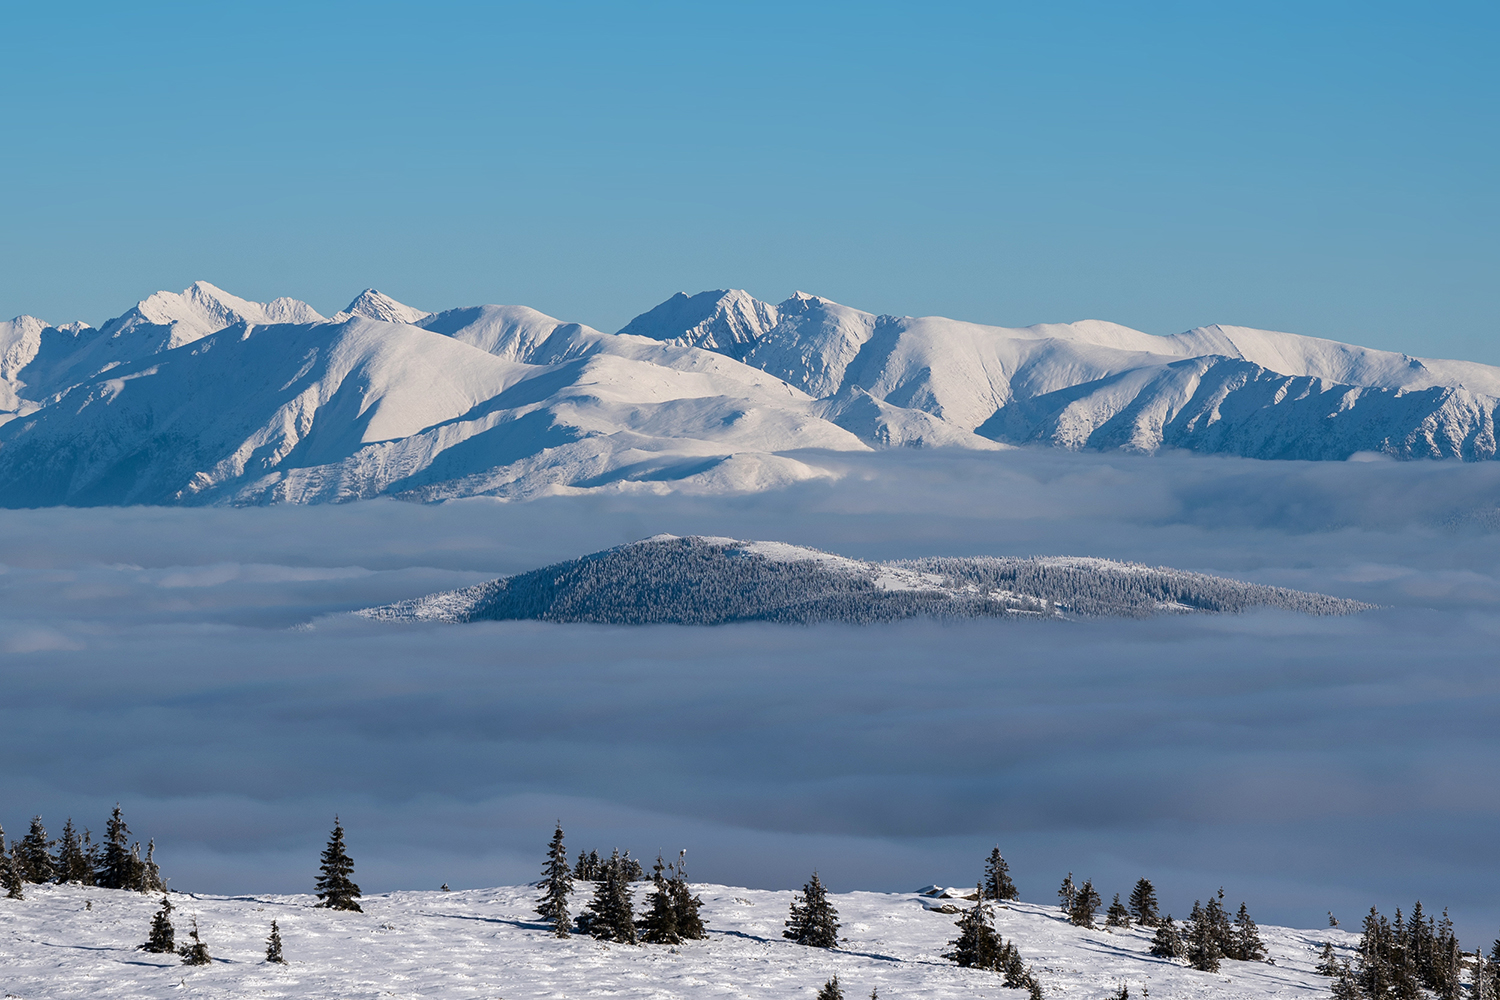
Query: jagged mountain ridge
{"points": [[203, 397], [713, 581]]}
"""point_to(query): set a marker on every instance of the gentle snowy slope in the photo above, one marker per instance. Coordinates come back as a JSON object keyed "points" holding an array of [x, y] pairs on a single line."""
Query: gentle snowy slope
{"points": [[711, 581], [204, 397], [486, 943]]}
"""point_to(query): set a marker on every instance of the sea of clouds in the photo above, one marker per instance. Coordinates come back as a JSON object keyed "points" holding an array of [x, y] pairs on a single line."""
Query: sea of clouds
{"points": [[192, 665]]}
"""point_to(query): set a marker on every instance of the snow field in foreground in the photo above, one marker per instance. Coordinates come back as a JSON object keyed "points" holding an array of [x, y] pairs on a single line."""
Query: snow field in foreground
{"points": [[487, 943]]}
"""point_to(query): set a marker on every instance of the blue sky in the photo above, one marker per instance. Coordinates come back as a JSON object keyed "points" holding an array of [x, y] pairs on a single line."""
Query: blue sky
{"points": [[1325, 168]]}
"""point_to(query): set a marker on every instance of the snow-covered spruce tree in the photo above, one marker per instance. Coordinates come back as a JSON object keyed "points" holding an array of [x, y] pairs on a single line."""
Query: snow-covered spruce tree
{"points": [[1117, 915], [273, 946], [1143, 903], [594, 867], [35, 854], [163, 937], [1480, 985], [11, 872], [119, 868], [1168, 941], [686, 904], [1328, 964], [1219, 926], [581, 870], [1067, 895], [72, 866], [609, 915], [197, 952], [977, 945], [997, 882], [335, 889], [1086, 903], [151, 880], [633, 870], [557, 883], [1203, 951], [1248, 946], [659, 924], [831, 990], [1345, 985], [813, 921]]}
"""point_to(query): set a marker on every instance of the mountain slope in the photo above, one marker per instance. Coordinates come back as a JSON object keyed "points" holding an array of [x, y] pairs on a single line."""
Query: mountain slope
{"points": [[486, 943], [204, 397], [713, 581]]}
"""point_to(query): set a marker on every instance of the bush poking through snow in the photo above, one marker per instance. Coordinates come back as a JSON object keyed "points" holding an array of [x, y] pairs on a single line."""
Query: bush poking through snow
{"points": [[831, 990]]}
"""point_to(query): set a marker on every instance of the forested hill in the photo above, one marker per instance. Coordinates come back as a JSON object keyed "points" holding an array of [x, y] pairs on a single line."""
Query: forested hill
{"points": [[710, 581]]}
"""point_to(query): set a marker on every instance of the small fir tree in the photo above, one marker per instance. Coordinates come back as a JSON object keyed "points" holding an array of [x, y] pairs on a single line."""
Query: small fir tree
{"points": [[151, 880], [163, 937], [1328, 965], [1143, 903], [335, 888], [977, 945], [72, 865], [1346, 986], [997, 882], [11, 871], [831, 990], [1203, 951], [581, 870], [685, 903], [273, 946], [1067, 895], [659, 925], [813, 921], [609, 915], [1117, 915], [1086, 903], [1168, 941], [35, 852], [1248, 946], [197, 952], [557, 884], [119, 867]]}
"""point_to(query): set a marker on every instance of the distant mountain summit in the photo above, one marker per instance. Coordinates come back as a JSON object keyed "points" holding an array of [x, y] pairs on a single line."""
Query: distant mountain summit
{"points": [[201, 396]]}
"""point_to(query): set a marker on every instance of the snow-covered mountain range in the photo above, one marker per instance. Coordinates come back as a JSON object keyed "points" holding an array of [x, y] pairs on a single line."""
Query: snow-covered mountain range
{"points": [[710, 581], [202, 397]]}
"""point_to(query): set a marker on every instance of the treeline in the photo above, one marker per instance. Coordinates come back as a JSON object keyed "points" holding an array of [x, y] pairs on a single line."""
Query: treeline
{"points": [[1400, 958], [671, 915], [115, 863]]}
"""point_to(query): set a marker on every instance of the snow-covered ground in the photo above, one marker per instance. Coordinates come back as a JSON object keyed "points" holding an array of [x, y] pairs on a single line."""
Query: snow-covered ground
{"points": [[487, 943]]}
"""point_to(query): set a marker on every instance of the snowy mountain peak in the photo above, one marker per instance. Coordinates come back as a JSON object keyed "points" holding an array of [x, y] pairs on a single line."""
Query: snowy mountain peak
{"points": [[725, 320], [372, 304], [201, 309]]}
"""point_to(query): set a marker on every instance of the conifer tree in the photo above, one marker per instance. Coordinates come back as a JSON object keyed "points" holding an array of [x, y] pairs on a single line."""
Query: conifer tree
{"points": [[831, 990], [1085, 904], [273, 946], [595, 867], [1247, 943], [1219, 927], [1480, 985], [1117, 915], [117, 868], [335, 888], [557, 883], [11, 871], [197, 952], [1203, 951], [1067, 895], [609, 916], [977, 945], [686, 904], [35, 854], [1328, 965], [1168, 941], [1346, 986], [163, 937], [813, 921], [1143, 903], [72, 866], [581, 870], [151, 880], [997, 882], [659, 925]]}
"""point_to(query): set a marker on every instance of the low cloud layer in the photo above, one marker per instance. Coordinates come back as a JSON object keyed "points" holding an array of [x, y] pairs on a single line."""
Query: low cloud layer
{"points": [[184, 663]]}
